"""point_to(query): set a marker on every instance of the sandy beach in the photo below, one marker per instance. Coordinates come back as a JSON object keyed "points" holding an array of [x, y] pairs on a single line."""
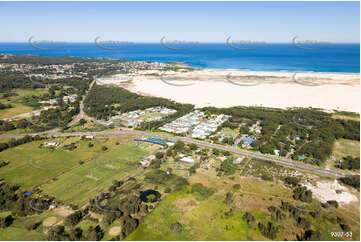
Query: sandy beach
{"points": [[227, 88]]}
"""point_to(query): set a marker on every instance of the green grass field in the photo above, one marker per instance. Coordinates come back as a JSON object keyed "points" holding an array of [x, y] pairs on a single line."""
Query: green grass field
{"points": [[18, 231], [84, 182], [344, 147], [16, 102], [31, 166], [213, 225]]}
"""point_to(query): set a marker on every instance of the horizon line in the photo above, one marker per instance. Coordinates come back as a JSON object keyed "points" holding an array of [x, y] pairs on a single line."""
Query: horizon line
{"points": [[158, 42]]}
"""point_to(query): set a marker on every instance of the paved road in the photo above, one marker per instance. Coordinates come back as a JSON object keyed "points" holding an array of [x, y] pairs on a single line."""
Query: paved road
{"points": [[81, 107], [278, 160]]}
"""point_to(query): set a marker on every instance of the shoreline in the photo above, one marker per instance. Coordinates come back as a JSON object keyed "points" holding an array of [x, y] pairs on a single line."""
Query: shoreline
{"points": [[187, 65]]}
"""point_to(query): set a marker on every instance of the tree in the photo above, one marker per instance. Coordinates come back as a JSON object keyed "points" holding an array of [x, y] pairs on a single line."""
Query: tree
{"points": [[176, 227], [249, 218], [6, 222], [302, 194], [193, 146], [178, 146], [95, 233], [229, 199], [74, 218], [82, 121], [128, 225], [352, 180], [292, 180], [159, 155], [215, 152], [269, 230]]}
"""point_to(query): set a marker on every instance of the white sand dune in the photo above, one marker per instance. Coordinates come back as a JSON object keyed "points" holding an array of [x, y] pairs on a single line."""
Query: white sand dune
{"points": [[338, 91]]}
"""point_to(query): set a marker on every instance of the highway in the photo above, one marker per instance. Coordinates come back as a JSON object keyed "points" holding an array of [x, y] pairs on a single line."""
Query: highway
{"points": [[234, 150]]}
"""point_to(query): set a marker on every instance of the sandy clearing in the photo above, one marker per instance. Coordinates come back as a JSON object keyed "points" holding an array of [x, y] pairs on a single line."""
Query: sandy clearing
{"points": [[63, 211], [328, 190], [114, 231]]}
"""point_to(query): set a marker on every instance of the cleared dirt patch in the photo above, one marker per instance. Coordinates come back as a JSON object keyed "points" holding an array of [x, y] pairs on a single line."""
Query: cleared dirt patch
{"points": [[114, 231], [63, 211], [49, 221], [328, 190], [186, 203]]}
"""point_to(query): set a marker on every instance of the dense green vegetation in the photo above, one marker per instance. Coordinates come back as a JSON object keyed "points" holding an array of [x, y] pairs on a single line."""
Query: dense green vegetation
{"points": [[99, 104], [349, 163], [312, 131], [15, 142], [5, 106], [353, 181]]}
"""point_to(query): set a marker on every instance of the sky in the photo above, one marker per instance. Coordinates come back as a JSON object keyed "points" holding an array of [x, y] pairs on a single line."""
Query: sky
{"points": [[182, 21]]}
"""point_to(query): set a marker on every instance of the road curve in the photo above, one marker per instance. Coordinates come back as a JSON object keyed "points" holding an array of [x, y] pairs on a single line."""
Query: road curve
{"points": [[278, 160]]}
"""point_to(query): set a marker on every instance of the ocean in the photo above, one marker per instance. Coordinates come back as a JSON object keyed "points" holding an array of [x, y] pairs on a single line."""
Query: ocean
{"points": [[342, 58]]}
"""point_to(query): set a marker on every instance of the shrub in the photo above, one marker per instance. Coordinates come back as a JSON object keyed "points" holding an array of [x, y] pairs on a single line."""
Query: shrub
{"points": [[249, 218], [236, 186], [302, 194], [128, 225], [276, 214], [203, 191], [176, 227], [291, 180], [310, 235], [6, 222], [33, 226], [353, 181], [270, 230]]}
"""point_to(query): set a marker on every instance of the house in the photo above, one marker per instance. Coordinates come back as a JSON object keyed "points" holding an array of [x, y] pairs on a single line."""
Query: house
{"points": [[238, 160], [147, 160], [188, 160], [145, 163], [222, 158], [170, 144], [277, 152], [247, 140], [48, 144]]}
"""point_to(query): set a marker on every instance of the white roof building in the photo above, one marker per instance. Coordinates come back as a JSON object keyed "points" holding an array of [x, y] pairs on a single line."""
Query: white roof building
{"points": [[188, 160]]}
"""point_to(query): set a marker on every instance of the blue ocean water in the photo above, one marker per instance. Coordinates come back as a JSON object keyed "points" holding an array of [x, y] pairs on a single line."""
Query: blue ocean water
{"points": [[266, 57]]}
